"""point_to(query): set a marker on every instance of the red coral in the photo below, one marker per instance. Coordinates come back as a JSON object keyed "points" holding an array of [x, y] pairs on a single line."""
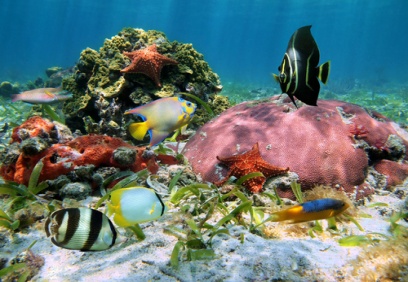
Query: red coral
{"points": [[32, 127], [394, 171], [381, 145], [60, 159], [313, 141], [358, 131]]}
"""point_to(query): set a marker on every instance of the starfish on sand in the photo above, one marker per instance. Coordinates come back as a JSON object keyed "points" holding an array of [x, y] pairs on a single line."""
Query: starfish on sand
{"points": [[248, 162], [149, 62]]}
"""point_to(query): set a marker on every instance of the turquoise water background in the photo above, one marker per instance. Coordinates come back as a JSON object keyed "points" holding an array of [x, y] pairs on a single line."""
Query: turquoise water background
{"points": [[243, 40]]}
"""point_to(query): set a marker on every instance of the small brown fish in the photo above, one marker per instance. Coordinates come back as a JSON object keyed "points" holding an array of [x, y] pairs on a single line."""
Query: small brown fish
{"points": [[42, 96]]}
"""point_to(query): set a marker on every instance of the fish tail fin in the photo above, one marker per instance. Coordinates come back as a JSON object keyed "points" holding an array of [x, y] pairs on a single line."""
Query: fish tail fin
{"points": [[138, 130], [14, 98], [324, 71], [279, 216]]}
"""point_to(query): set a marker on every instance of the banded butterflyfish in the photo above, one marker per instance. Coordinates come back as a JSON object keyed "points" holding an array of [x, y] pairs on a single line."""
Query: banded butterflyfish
{"points": [[81, 229], [298, 73]]}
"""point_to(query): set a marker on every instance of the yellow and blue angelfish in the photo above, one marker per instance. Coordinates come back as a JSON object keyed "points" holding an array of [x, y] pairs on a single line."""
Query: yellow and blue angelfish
{"points": [[161, 117], [312, 210], [135, 205]]}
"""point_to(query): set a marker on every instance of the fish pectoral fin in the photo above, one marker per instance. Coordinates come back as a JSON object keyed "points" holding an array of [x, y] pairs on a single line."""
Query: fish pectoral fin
{"points": [[276, 77], [48, 93], [153, 208], [183, 128], [324, 71], [138, 130]]}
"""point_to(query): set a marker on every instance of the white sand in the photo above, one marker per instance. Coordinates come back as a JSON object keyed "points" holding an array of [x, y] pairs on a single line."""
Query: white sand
{"points": [[256, 259]]}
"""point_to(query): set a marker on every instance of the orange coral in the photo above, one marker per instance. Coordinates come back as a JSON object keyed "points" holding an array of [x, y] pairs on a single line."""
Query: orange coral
{"points": [[60, 159], [32, 127]]}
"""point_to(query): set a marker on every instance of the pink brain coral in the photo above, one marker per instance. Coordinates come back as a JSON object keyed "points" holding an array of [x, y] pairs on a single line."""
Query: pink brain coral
{"points": [[314, 142]]}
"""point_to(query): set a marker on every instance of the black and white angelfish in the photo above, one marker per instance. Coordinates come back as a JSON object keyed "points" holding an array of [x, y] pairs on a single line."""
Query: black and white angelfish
{"points": [[299, 72], [81, 229]]}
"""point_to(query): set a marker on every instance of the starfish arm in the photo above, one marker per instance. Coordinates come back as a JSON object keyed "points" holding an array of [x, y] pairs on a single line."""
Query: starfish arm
{"points": [[225, 179]]}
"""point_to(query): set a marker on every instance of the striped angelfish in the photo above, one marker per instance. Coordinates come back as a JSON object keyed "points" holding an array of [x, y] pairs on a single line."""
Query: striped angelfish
{"points": [[299, 73], [81, 229]]}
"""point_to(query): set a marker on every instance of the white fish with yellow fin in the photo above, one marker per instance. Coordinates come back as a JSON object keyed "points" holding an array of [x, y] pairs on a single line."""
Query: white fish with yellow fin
{"points": [[135, 205], [42, 96], [161, 117], [81, 229]]}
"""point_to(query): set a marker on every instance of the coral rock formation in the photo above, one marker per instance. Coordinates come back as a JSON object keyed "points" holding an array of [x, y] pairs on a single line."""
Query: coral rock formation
{"points": [[102, 93], [317, 143], [60, 158]]}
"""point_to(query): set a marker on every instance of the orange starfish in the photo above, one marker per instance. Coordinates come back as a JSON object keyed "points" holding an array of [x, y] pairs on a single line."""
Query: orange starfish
{"points": [[248, 162], [149, 62]]}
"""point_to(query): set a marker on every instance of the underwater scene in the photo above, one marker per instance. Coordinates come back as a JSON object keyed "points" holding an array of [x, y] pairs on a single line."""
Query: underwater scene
{"points": [[176, 140]]}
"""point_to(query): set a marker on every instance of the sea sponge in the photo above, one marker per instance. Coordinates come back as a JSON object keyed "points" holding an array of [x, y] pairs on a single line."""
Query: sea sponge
{"points": [[387, 261], [96, 150]]}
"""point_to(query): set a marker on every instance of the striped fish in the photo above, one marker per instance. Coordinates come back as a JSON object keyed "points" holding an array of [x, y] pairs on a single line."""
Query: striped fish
{"points": [[81, 229], [299, 73]]}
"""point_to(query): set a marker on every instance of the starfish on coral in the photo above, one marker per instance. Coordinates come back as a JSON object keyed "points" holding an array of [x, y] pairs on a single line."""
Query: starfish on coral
{"points": [[149, 62], [248, 162]]}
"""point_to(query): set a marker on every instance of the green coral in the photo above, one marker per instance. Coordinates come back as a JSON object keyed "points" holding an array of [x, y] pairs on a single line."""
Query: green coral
{"points": [[7, 88], [101, 93]]}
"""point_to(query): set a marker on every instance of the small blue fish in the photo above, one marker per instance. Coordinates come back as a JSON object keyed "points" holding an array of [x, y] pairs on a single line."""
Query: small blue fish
{"points": [[161, 117], [135, 205], [313, 210], [42, 96]]}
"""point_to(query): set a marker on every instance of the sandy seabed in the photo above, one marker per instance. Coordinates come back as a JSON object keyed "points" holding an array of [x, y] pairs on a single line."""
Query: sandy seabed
{"points": [[291, 258]]}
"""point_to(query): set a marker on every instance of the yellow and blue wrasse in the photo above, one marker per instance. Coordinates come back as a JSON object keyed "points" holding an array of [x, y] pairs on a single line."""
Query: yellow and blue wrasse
{"points": [[161, 117], [313, 210], [42, 96], [298, 72], [135, 205], [80, 229]]}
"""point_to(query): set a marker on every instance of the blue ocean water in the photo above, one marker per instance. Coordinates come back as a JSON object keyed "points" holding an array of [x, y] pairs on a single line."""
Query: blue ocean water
{"points": [[242, 40]]}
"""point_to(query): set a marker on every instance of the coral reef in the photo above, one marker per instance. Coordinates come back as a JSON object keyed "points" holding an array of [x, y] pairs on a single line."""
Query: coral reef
{"points": [[7, 88], [102, 93], [60, 159], [315, 142], [40, 139]]}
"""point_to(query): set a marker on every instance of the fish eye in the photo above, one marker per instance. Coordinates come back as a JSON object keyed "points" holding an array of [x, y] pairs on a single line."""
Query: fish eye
{"points": [[189, 104], [282, 77]]}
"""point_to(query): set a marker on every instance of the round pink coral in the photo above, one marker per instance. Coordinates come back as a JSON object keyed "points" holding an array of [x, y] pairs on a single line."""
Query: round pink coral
{"points": [[314, 142]]}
